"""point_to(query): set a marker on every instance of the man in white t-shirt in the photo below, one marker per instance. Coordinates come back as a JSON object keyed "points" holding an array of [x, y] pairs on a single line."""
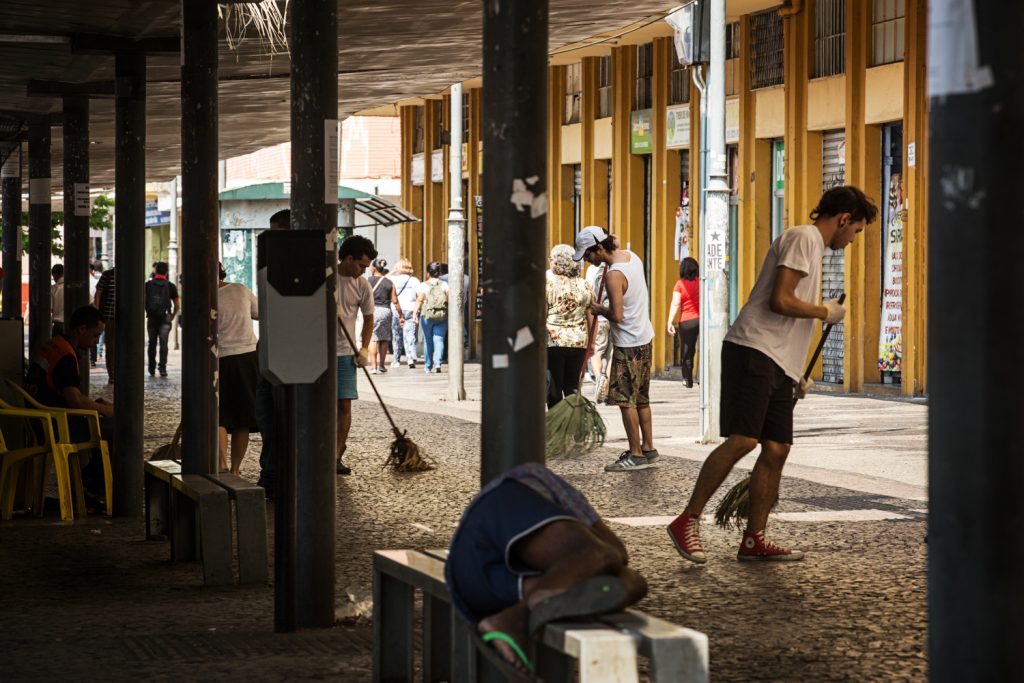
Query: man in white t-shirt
{"points": [[631, 332], [762, 370], [352, 296]]}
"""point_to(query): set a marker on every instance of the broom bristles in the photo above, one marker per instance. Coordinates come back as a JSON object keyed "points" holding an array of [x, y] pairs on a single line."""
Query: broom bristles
{"points": [[573, 426], [734, 509], [406, 456]]}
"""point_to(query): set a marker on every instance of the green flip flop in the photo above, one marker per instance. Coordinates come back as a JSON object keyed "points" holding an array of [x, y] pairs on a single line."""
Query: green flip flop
{"points": [[590, 598], [496, 658]]}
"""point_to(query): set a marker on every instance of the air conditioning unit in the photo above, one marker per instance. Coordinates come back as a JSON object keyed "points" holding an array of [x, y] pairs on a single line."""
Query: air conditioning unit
{"points": [[691, 24]]}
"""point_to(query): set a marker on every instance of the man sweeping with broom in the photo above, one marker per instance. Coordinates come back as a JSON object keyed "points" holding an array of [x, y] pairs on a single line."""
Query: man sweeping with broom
{"points": [[762, 359]]}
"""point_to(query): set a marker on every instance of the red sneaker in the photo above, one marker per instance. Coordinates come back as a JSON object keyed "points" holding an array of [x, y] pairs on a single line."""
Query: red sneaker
{"points": [[756, 547], [685, 534]]}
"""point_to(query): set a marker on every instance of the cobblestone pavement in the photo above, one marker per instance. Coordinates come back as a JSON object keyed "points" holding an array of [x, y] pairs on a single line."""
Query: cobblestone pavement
{"points": [[93, 600]]}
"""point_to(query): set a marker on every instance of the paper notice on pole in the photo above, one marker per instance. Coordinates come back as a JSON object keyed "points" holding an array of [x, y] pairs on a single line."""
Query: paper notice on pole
{"points": [[12, 166], [912, 154], [82, 207], [953, 61], [331, 161], [39, 191], [714, 251]]}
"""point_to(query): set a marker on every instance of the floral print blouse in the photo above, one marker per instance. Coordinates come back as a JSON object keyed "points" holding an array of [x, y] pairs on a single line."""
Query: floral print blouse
{"points": [[569, 298]]}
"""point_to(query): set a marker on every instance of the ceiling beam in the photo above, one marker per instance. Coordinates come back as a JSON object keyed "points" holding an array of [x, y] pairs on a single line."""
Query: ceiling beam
{"points": [[98, 44], [53, 118], [37, 88]]}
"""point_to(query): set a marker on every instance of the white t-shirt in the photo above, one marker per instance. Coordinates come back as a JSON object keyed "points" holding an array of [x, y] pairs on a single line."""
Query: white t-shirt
{"points": [[593, 279], [352, 296], [405, 289], [424, 287], [236, 309], [783, 339], [636, 328]]}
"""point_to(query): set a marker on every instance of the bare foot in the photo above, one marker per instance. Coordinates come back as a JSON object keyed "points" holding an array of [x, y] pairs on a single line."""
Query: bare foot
{"points": [[514, 622]]}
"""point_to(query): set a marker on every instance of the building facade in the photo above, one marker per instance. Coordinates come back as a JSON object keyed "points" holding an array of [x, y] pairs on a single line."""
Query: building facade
{"points": [[819, 93]]}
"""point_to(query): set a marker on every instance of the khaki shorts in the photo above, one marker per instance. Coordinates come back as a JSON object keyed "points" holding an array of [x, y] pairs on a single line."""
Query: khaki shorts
{"points": [[601, 339], [630, 377]]}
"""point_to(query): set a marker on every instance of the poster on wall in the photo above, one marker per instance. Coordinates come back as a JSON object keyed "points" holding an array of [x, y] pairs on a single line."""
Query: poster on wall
{"points": [[478, 201], [640, 140], [437, 169], [677, 127], [682, 239], [417, 169], [890, 339]]}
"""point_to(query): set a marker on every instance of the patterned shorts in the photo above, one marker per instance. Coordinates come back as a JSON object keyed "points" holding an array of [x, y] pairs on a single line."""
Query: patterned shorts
{"points": [[631, 376]]}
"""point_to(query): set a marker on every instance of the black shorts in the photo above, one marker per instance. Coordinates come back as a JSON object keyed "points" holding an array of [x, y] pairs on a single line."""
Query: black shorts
{"points": [[757, 396]]}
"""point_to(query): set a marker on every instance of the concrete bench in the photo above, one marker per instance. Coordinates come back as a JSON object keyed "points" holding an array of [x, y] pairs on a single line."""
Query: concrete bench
{"points": [[250, 525], [200, 516], [157, 488], [604, 649]]}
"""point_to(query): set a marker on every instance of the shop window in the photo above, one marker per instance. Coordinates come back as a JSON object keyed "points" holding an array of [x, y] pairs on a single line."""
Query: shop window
{"points": [[419, 141], [680, 91], [644, 69], [437, 135], [732, 58], [887, 31], [604, 87], [465, 116], [767, 46], [573, 89], [829, 38]]}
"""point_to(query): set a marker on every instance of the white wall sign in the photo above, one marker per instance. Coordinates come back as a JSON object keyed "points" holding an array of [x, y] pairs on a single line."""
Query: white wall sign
{"points": [[331, 159], [714, 251], [12, 167], [82, 207], [417, 169], [437, 166], [732, 120], [912, 154], [677, 127]]}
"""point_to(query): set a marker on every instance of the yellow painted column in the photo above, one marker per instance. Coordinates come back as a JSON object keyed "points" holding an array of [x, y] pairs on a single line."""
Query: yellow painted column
{"points": [[664, 200], [560, 178], [754, 177], [589, 177], [412, 196], [800, 153], [627, 168], [915, 186]]}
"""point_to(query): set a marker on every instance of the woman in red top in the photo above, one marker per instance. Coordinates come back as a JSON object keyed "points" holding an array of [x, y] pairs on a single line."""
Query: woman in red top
{"points": [[684, 314]]}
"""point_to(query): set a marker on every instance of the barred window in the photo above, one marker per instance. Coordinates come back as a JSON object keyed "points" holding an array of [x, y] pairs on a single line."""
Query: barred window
{"points": [[465, 116], [732, 58], [887, 31], [438, 133], [420, 139], [767, 46], [604, 88], [680, 90], [573, 88], [829, 38], [644, 69]]}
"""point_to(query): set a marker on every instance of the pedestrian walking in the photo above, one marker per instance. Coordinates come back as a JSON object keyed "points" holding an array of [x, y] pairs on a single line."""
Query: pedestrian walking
{"points": [[684, 315], [762, 363], [431, 312], [631, 332], [57, 300], [105, 300], [161, 307], [568, 315], [403, 327], [352, 296], [384, 298], [238, 369], [95, 269]]}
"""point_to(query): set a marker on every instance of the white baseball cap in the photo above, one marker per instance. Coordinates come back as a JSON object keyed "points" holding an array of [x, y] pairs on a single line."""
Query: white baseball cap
{"points": [[588, 238]]}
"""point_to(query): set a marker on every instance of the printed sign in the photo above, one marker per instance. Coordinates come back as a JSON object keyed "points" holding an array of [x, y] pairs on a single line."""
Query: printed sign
{"points": [[890, 337], [779, 166], [912, 155], [82, 207], [465, 158], [417, 169], [677, 127], [437, 166], [732, 121], [479, 202], [640, 138], [331, 161], [715, 251]]}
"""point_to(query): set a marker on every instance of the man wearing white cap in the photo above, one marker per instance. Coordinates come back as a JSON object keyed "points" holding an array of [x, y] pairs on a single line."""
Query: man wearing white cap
{"points": [[631, 332]]}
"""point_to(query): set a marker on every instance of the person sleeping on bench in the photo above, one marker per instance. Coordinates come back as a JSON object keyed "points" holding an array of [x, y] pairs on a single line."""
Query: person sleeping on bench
{"points": [[531, 550]]}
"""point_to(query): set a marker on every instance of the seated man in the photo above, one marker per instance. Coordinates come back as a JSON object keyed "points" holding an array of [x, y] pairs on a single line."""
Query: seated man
{"points": [[54, 377], [530, 550]]}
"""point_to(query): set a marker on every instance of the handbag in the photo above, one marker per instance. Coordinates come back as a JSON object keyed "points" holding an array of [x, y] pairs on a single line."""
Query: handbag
{"points": [[169, 451]]}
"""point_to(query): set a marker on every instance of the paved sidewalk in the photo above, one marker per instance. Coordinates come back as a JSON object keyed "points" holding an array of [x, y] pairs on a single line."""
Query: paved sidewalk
{"points": [[94, 600]]}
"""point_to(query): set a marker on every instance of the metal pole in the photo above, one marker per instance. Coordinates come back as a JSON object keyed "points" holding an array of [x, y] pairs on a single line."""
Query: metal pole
{"points": [[76, 215], [456, 254], [172, 252], [515, 213], [12, 233], [976, 587], [314, 96], [702, 184], [38, 235], [716, 229], [130, 210], [199, 419]]}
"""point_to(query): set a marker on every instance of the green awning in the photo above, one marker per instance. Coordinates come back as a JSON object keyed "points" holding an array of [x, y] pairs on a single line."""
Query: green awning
{"points": [[376, 208]]}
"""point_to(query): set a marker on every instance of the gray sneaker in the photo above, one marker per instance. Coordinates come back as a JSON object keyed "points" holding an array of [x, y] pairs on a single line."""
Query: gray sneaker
{"points": [[628, 462], [651, 455]]}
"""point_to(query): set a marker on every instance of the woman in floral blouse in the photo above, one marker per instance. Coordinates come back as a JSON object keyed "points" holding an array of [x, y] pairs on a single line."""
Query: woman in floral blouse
{"points": [[569, 298]]}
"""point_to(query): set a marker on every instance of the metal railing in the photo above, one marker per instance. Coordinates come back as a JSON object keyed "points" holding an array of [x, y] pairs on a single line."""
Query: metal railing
{"points": [[829, 38], [887, 31], [767, 47]]}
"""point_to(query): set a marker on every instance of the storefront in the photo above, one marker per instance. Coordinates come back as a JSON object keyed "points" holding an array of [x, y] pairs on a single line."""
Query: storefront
{"points": [[833, 174], [890, 341]]}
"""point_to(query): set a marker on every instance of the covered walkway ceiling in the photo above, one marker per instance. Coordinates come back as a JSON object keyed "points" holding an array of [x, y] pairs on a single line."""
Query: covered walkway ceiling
{"points": [[389, 51]]}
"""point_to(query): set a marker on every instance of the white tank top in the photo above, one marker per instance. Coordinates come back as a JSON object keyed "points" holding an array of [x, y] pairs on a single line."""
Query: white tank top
{"points": [[635, 328]]}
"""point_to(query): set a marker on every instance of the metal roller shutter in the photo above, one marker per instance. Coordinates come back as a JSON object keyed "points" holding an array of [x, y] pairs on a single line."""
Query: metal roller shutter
{"points": [[833, 174]]}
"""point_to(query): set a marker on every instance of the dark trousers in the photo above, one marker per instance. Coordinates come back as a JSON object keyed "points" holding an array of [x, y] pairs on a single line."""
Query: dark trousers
{"points": [[159, 330], [687, 332], [565, 365], [266, 419]]}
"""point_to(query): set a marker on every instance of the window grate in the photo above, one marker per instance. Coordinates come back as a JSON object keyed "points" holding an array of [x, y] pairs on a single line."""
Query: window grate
{"points": [[604, 88], [573, 89], [680, 90], [465, 117], [887, 31], [644, 69], [829, 38], [419, 141], [732, 58], [438, 132], [767, 47]]}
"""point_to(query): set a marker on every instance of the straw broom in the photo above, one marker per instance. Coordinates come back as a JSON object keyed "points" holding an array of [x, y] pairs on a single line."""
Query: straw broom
{"points": [[573, 425], [734, 508], [404, 455]]}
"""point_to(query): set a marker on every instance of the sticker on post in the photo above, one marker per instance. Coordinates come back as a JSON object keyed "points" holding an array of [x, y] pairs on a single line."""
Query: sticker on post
{"points": [[82, 207], [499, 361], [524, 337], [523, 197], [331, 154]]}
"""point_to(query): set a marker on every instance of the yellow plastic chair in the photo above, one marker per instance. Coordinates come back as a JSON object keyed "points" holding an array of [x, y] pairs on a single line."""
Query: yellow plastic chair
{"points": [[48, 452], [95, 442]]}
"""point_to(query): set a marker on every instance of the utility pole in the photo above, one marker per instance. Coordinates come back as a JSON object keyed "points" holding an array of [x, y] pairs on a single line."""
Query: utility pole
{"points": [[714, 311], [456, 253], [975, 474]]}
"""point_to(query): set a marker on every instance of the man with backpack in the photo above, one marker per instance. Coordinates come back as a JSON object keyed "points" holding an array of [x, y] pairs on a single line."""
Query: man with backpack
{"points": [[161, 307], [432, 310]]}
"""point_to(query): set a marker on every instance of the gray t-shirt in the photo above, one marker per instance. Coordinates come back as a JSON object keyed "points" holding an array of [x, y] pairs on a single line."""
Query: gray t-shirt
{"points": [[352, 297], [783, 339]]}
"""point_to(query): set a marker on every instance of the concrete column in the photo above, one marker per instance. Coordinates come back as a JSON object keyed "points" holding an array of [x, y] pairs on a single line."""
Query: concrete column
{"points": [[77, 207], [11, 191], [515, 119], [39, 236]]}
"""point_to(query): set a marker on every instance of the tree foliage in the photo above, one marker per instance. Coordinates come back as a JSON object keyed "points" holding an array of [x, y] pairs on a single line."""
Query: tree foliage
{"points": [[99, 219]]}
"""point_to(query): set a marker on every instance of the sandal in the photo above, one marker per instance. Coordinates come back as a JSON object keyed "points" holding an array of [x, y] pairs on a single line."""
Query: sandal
{"points": [[589, 598], [519, 671]]}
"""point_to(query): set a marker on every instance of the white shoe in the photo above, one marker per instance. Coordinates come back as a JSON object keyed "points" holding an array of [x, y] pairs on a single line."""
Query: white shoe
{"points": [[395, 364], [373, 371]]}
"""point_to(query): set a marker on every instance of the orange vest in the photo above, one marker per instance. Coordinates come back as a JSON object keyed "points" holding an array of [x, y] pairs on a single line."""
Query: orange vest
{"points": [[51, 353]]}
